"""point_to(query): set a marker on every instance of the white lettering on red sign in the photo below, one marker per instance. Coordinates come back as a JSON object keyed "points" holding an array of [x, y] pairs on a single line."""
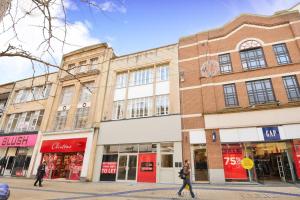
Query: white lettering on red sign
{"points": [[58, 146], [109, 168]]}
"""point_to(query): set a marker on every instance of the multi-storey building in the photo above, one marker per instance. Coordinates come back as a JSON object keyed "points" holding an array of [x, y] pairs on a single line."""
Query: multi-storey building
{"points": [[140, 132], [5, 91], [69, 140], [21, 122], [239, 90]]}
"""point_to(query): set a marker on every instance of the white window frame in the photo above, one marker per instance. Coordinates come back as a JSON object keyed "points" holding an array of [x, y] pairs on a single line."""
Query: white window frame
{"points": [[162, 105], [162, 73], [118, 110]]}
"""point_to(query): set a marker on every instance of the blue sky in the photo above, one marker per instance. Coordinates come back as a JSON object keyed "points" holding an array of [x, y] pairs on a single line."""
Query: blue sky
{"points": [[133, 25]]}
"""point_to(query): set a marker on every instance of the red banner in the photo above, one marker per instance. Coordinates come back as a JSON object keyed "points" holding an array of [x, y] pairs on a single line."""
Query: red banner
{"points": [[65, 145], [109, 168], [147, 168], [232, 157], [296, 152]]}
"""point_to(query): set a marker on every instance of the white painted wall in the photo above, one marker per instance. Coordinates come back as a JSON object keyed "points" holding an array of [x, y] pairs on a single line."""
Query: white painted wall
{"points": [[253, 118], [197, 137], [140, 91], [120, 94], [162, 88], [142, 130]]}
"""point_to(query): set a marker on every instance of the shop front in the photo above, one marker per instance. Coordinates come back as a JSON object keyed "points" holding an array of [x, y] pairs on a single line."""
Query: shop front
{"points": [[64, 157], [275, 158], [15, 154]]}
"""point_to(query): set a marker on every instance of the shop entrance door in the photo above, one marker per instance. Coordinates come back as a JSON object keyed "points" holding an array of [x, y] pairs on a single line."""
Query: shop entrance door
{"points": [[127, 167]]}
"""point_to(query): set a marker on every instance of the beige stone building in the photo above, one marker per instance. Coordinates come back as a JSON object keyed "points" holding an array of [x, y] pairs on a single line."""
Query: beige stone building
{"points": [[69, 140], [140, 137], [27, 110]]}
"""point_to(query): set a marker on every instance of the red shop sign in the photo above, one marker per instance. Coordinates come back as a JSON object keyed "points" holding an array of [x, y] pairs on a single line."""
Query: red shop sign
{"points": [[109, 168], [232, 158], [296, 154], [18, 140], [65, 145]]}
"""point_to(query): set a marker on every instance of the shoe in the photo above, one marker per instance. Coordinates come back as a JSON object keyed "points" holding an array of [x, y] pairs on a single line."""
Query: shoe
{"points": [[34, 185], [40, 186], [193, 196], [179, 194]]}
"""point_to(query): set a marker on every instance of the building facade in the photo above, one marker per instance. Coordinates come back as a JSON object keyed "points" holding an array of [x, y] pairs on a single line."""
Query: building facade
{"points": [[68, 143], [140, 132], [239, 91], [24, 116]]}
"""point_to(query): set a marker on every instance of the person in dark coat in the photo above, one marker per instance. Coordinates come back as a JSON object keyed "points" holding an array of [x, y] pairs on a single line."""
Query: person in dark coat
{"points": [[40, 174], [187, 179]]}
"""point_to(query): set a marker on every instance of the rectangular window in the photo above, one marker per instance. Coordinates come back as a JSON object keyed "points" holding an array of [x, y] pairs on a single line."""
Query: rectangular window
{"points": [[282, 54], [291, 87], [225, 63], [60, 120], [81, 117], [39, 120], [66, 95], [140, 107], [118, 110], [82, 66], [121, 81], [162, 105], [9, 123], [167, 151], [162, 73], [230, 95], [141, 77], [87, 90], [252, 59], [260, 91], [18, 96], [20, 123], [71, 68], [93, 63]]}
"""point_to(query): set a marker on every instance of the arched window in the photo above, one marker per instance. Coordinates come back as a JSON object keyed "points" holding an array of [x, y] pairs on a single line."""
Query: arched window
{"points": [[252, 56]]}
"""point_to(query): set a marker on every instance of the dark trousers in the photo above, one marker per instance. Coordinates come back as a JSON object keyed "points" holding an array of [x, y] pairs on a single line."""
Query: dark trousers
{"points": [[38, 179], [187, 181]]}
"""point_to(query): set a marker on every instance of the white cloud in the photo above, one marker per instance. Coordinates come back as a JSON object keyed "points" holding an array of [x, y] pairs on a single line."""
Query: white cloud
{"points": [[112, 7], [269, 7], [31, 35]]}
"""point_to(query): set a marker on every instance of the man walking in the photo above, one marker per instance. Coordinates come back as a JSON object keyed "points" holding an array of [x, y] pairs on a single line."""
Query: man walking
{"points": [[186, 179], [40, 174]]}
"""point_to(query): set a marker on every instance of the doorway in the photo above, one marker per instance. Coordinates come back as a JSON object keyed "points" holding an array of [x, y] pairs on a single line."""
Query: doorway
{"points": [[199, 160], [127, 167], [273, 162]]}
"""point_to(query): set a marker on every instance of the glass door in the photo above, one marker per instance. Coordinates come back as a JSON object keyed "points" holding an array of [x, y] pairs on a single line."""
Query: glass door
{"points": [[127, 167], [200, 165]]}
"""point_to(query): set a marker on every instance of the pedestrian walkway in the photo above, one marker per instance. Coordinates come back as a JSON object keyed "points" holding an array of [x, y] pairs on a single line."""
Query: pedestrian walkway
{"points": [[23, 189]]}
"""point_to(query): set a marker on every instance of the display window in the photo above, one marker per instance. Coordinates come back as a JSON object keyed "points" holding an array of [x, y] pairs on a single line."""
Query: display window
{"points": [[296, 155], [63, 165], [232, 157]]}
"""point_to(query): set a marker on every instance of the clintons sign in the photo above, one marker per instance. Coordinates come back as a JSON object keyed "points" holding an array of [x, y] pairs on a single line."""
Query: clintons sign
{"points": [[18, 140], [65, 145]]}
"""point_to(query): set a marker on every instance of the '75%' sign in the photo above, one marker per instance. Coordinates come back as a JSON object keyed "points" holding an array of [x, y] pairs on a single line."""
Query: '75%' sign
{"points": [[271, 133]]}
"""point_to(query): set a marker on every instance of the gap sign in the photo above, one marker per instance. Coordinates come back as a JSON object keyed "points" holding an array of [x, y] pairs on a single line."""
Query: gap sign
{"points": [[271, 133]]}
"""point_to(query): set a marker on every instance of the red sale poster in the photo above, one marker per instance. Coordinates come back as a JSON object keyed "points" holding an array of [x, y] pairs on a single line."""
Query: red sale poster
{"points": [[232, 156], [296, 155]]}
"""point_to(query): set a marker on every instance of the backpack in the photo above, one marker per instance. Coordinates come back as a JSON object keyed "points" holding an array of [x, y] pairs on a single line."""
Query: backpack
{"points": [[181, 174]]}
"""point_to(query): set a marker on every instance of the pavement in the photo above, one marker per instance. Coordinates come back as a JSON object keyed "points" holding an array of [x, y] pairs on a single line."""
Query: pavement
{"points": [[23, 189]]}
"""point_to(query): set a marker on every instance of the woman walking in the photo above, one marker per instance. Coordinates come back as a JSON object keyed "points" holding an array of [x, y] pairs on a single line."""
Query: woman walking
{"points": [[186, 178]]}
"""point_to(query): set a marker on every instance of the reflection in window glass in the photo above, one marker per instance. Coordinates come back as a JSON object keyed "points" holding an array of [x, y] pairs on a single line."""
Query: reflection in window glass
{"points": [[167, 160]]}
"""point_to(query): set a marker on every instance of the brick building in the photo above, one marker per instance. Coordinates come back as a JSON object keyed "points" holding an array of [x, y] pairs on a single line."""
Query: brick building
{"points": [[239, 91]]}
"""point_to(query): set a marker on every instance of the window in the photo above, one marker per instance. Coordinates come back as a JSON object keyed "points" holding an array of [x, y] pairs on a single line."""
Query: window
{"points": [[82, 66], [60, 120], [81, 117], [162, 73], [71, 68], [260, 91], [282, 54], [292, 88], [167, 150], [2, 105], [162, 105], [121, 81], [230, 95], [93, 63], [10, 122], [66, 96], [18, 96], [252, 59], [86, 92], [225, 63], [140, 107], [141, 77], [38, 123], [118, 110]]}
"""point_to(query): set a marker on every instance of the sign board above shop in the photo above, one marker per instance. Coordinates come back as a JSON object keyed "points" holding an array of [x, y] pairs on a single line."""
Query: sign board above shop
{"points": [[18, 140], [64, 145], [271, 133]]}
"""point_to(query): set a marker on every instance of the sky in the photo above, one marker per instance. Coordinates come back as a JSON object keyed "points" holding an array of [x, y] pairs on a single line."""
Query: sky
{"points": [[126, 25]]}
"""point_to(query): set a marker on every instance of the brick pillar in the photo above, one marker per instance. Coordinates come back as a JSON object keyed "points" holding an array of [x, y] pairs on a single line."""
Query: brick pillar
{"points": [[214, 157], [186, 150]]}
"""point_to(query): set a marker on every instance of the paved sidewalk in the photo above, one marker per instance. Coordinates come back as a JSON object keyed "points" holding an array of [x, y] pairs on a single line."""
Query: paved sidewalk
{"points": [[23, 189]]}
